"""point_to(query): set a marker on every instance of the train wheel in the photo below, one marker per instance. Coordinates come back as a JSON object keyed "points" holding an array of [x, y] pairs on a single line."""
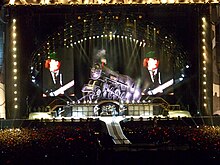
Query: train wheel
{"points": [[122, 96], [92, 96], [98, 92], [111, 93], [117, 94], [104, 93], [105, 90]]}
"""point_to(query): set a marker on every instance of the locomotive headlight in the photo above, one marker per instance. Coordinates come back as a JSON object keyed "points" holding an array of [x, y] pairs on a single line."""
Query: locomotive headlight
{"points": [[95, 73]]}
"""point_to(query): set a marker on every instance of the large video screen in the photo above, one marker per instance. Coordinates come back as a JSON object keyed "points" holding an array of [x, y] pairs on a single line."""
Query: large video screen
{"points": [[109, 67]]}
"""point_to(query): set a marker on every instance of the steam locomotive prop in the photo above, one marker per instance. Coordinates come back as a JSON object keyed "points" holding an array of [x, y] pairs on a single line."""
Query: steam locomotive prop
{"points": [[105, 83]]}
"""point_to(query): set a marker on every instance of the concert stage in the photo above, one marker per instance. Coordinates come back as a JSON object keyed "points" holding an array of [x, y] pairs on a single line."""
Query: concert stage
{"points": [[78, 56], [110, 108]]}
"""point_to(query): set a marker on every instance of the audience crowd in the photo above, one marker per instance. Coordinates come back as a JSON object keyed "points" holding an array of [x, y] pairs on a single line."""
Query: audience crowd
{"points": [[85, 142], [77, 142], [202, 138]]}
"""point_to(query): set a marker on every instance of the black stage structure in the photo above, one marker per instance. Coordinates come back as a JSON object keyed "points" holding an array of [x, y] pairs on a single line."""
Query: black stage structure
{"points": [[35, 32]]}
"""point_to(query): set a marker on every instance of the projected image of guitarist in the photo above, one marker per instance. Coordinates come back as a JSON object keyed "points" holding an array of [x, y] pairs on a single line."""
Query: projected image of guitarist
{"points": [[54, 83], [153, 76], [151, 63]]}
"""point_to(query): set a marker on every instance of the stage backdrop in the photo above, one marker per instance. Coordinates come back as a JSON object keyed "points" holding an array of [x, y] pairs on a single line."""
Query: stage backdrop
{"points": [[108, 52]]}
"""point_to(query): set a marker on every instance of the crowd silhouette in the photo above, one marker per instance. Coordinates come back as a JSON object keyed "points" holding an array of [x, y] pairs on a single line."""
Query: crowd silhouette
{"points": [[83, 142]]}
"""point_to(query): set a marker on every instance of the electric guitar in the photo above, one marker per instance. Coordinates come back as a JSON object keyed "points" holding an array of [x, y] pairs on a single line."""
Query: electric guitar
{"points": [[62, 89]]}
